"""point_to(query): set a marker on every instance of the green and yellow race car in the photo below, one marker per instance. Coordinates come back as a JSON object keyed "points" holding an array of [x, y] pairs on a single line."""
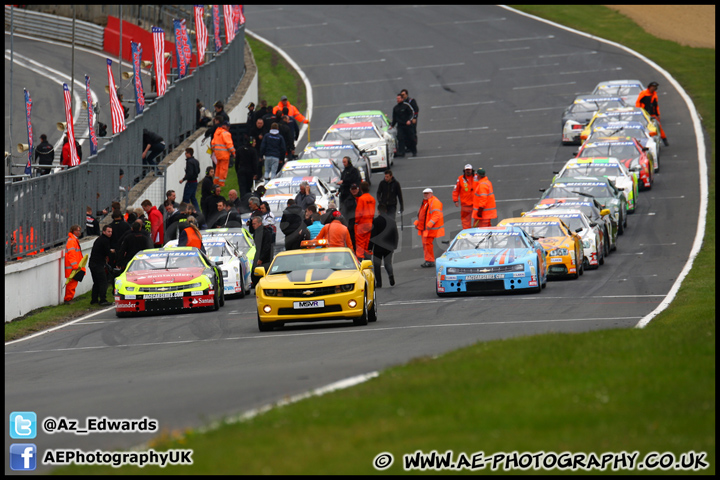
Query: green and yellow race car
{"points": [[168, 279], [316, 284]]}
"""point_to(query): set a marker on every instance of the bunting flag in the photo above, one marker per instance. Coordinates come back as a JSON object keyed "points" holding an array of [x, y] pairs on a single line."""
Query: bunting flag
{"points": [[28, 107], [229, 26], [116, 110], [91, 117], [180, 50], [216, 27], [201, 37], [137, 77], [74, 160], [159, 44]]}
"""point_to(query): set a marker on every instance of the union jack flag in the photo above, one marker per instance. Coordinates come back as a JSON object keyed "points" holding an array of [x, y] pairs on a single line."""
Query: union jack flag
{"points": [[116, 110], [201, 36], [74, 160], [229, 26], [159, 44]]}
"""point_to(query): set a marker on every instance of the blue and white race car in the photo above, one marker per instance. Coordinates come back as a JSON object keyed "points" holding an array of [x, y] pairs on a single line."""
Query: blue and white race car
{"points": [[233, 264], [490, 260]]}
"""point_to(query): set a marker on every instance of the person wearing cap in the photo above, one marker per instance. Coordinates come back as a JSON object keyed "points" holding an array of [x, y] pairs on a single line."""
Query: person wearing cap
{"points": [[291, 110], [463, 195], [484, 209], [223, 148], [273, 149], [648, 100], [251, 113], [430, 225], [335, 231], [364, 214]]}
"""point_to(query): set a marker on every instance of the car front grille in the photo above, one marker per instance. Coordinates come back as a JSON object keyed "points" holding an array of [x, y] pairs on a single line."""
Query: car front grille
{"points": [[300, 292], [486, 286], [310, 311]]}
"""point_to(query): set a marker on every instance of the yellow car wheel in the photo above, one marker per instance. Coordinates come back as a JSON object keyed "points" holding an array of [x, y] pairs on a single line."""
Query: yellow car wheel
{"points": [[264, 327], [372, 314], [363, 319]]}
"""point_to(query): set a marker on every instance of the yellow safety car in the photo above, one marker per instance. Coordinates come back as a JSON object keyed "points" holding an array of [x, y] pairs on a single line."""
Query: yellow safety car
{"points": [[315, 284], [564, 247]]}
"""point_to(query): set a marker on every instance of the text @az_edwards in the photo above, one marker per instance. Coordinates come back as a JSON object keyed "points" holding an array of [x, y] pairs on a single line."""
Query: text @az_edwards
{"points": [[52, 425]]}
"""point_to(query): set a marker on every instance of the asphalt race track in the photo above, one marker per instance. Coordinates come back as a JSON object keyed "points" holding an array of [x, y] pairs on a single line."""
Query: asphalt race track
{"points": [[491, 86]]}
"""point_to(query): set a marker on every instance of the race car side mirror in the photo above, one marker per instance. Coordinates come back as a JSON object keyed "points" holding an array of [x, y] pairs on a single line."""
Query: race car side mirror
{"points": [[364, 265], [260, 271]]}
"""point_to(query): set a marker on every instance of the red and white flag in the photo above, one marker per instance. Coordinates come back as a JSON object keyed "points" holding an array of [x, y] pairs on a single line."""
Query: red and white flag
{"points": [[229, 24], [74, 160], [159, 48], [201, 35], [116, 110]]}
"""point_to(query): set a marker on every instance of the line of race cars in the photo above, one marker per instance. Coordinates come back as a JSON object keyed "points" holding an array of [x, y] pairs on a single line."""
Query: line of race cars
{"points": [[573, 227], [575, 224], [177, 278]]}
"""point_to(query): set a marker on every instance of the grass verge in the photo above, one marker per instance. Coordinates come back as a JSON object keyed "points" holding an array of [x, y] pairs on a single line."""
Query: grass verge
{"points": [[650, 390]]}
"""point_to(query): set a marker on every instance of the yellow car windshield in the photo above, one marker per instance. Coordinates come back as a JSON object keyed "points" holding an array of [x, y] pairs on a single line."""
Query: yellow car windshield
{"points": [[312, 260]]}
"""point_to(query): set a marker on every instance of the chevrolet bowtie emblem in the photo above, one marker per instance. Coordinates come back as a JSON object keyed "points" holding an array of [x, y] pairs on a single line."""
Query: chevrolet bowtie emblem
{"points": [[484, 270], [308, 292]]}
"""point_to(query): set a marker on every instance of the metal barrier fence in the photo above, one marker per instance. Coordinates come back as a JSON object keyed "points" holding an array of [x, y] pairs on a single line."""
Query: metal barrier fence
{"points": [[49, 205]]}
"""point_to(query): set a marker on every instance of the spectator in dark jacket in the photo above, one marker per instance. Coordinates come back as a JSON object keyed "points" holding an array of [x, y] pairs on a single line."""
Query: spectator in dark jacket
{"points": [[192, 172], [293, 226], [44, 155], [389, 194], [99, 256], [246, 166], [206, 189], [383, 242], [262, 235], [119, 227], [138, 239]]}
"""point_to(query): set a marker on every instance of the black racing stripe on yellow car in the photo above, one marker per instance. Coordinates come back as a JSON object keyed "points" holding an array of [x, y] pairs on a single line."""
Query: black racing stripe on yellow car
{"points": [[297, 276], [320, 274]]}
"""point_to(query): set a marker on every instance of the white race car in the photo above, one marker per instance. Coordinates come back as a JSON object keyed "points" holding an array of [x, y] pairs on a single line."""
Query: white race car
{"points": [[635, 130], [312, 167], [289, 187], [233, 264], [627, 89], [608, 167], [590, 232], [368, 138], [335, 151]]}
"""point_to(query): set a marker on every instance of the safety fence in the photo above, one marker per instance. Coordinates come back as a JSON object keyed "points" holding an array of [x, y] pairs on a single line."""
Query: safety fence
{"points": [[40, 211]]}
